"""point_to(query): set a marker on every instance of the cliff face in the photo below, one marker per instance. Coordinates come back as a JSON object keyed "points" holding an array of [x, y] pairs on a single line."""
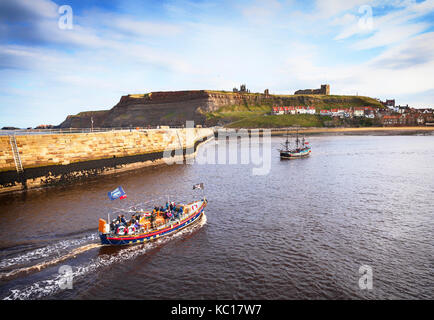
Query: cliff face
{"points": [[162, 108], [84, 119], [173, 108]]}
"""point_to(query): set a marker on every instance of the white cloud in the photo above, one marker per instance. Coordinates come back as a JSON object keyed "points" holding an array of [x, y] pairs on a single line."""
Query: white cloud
{"points": [[261, 12], [414, 52], [272, 45], [331, 8], [390, 28], [390, 34], [23, 10], [147, 28]]}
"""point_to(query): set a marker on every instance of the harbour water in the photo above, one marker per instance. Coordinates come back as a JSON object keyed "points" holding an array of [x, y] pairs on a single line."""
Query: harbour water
{"points": [[302, 231]]}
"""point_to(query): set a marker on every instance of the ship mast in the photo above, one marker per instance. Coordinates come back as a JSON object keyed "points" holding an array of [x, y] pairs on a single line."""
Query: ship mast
{"points": [[287, 141], [297, 140]]}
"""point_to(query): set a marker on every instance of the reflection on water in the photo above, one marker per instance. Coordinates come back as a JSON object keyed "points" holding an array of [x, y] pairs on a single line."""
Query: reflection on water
{"points": [[302, 231]]}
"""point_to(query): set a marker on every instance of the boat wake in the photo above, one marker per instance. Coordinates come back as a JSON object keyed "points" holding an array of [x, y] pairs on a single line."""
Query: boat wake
{"points": [[45, 252], [43, 265], [52, 286]]}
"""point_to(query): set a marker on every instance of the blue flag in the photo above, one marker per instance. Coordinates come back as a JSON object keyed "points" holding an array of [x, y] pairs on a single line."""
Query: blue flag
{"points": [[117, 193]]}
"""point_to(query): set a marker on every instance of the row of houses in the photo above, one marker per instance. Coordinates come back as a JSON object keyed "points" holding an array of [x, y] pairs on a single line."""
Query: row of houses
{"points": [[391, 116], [342, 112], [294, 110], [368, 112], [418, 117], [390, 104]]}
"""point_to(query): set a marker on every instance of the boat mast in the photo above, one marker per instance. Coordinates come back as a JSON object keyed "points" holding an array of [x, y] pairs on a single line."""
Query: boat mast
{"points": [[297, 140], [287, 141]]}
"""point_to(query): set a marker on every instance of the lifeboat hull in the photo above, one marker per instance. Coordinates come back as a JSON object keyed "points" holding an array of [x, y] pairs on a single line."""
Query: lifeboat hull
{"points": [[191, 219]]}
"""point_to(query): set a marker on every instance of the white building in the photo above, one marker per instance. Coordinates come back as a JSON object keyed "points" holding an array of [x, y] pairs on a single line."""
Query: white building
{"points": [[325, 112], [310, 110], [301, 109], [359, 112]]}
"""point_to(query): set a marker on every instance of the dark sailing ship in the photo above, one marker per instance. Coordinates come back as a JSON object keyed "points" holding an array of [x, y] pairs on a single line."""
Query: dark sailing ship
{"points": [[301, 149]]}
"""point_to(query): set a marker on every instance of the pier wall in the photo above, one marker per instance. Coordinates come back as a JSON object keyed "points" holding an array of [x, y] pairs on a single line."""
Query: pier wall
{"points": [[49, 159]]}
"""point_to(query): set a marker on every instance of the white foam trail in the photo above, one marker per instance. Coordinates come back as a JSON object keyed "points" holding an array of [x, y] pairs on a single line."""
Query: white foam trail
{"points": [[43, 265], [46, 251], [51, 286]]}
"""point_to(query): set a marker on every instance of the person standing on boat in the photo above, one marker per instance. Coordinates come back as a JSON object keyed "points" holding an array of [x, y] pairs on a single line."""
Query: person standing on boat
{"points": [[123, 221], [114, 225], [153, 216], [167, 216]]}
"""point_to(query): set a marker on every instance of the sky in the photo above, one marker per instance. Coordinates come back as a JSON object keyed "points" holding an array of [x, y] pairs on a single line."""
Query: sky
{"points": [[62, 57]]}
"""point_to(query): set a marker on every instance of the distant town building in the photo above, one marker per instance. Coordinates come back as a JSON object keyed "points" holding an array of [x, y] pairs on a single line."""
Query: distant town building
{"points": [[278, 110], [389, 103], [325, 89], [300, 109], [325, 112], [310, 110], [391, 120], [334, 112], [402, 109], [292, 110], [358, 112]]}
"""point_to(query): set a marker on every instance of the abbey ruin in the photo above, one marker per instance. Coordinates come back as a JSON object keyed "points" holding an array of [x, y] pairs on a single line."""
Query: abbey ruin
{"points": [[325, 89]]}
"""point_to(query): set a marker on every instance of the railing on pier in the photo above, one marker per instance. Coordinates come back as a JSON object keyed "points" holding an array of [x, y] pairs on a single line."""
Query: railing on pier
{"points": [[82, 130]]}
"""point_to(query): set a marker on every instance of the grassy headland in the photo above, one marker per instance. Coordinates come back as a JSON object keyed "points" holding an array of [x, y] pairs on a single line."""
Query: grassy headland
{"points": [[258, 115]]}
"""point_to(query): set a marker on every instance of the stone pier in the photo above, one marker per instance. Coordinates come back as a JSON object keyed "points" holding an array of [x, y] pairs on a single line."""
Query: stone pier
{"points": [[49, 159]]}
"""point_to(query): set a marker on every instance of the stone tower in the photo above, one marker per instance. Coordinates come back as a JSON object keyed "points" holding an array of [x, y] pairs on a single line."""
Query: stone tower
{"points": [[325, 89]]}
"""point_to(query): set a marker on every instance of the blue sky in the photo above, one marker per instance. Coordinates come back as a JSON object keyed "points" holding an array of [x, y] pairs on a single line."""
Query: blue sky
{"points": [[382, 49]]}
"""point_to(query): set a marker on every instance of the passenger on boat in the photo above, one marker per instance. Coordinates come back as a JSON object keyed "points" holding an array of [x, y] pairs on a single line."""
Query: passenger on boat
{"points": [[116, 222], [137, 225], [180, 212], [123, 221], [114, 225], [153, 216], [168, 215]]}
